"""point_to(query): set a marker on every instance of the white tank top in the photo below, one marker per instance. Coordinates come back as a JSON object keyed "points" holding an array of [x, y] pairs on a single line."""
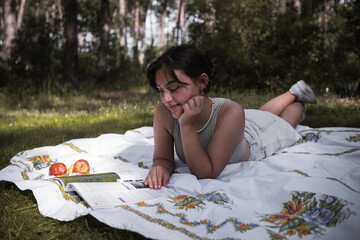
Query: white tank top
{"points": [[206, 134]]}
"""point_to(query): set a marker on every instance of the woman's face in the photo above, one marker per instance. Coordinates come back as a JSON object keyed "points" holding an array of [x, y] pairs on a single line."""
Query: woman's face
{"points": [[175, 94]]}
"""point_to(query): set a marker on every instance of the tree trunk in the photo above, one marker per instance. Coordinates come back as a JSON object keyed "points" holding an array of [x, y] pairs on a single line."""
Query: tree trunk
{"points": [[35, 36], [162, 26], [151, 30], [142, 32], [80, 41], [47, 14], [9, 7], [136, 18], [122, 9], [176, 30], [57, 5], [309, 8], [209, 17], [20, 14], [178, 35], [104, 38], [37, 10], [60, 11], [297, 5], [1, 16], [136, 21], [53, 17], [326, 14], [71, 54], [182, 21], [336, 3]]}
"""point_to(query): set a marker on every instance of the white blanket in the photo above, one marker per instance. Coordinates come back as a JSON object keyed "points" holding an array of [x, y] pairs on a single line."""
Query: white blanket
{"points": [[310, 190]]}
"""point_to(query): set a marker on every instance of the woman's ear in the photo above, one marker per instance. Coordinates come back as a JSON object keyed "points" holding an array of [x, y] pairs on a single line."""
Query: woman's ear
{"points": [[203, 81]]}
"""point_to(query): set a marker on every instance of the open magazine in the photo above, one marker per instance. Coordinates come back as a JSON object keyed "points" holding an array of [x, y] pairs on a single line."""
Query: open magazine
{"points": [[65, 180], [111, 194], [104, 190]]}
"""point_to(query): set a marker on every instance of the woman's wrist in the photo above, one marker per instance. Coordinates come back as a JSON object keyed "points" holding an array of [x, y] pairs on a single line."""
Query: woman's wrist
{"points": [[166, 164], [187, 129]]}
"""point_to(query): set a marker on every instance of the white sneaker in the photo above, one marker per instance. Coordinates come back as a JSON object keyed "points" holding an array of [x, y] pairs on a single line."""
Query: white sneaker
{"points": [[303, 92]]}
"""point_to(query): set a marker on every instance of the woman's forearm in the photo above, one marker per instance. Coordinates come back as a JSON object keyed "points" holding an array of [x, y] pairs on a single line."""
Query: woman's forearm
{"points": [[197, 159]]}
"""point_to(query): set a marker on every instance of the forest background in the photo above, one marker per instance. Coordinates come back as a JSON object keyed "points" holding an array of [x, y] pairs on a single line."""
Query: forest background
{"points": [[54, 46]]}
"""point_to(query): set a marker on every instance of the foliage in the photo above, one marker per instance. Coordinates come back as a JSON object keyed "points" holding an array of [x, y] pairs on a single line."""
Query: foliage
{"points": [[256, 45], [35, 63], [346, 53]]}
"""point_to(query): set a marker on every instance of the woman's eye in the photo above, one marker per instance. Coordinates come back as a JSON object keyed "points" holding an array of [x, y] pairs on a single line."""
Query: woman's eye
{"points": [[173, 89]]}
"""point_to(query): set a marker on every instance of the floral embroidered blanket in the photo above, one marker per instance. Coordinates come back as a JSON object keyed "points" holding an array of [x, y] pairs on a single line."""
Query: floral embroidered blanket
{"points": [[310, 190]]}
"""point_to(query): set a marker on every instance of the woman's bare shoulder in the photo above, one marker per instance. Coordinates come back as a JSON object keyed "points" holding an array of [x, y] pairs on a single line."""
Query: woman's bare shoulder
{"points": [[232, 107], [231, 110]]}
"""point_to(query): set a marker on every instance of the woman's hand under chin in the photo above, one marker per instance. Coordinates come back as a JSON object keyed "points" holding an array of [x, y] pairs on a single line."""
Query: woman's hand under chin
{"points": [[192, 109]]}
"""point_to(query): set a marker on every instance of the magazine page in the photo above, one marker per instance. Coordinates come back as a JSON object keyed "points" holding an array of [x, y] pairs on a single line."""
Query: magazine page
{"points": [[99, 177], [112, 194]]}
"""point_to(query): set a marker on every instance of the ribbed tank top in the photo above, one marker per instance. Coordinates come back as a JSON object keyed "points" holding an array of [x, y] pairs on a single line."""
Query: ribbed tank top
{"points": [[206, 134]]}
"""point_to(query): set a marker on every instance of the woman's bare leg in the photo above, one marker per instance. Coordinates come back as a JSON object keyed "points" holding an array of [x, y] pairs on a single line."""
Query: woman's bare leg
{"points": [[286, 107], [279, 103], [293, 113], [290, 105]]}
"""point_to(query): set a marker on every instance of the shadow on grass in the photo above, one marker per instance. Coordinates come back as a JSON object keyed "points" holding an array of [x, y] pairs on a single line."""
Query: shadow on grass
{"points": [[23, 220]]}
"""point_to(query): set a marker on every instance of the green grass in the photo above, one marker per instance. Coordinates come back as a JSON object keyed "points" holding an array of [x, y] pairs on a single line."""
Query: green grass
{"points": [[51, 120]]}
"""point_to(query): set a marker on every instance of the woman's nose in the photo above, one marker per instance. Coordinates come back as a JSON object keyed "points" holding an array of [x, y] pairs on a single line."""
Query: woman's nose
{"points": [[166, 97]]}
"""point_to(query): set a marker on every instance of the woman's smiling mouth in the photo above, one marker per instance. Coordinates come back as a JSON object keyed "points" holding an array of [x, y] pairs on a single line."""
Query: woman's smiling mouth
{"points": [[173, 107]]}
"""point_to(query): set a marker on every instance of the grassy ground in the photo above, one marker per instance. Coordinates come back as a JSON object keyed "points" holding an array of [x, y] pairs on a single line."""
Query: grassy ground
{"points": [[50, 120]]}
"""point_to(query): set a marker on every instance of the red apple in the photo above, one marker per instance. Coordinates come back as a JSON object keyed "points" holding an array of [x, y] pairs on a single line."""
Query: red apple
{"points": [[81, 166], [57, 169]]}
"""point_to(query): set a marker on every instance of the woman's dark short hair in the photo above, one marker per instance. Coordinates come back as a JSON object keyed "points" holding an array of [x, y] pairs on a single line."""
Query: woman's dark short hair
{"points": [[184, 58]]}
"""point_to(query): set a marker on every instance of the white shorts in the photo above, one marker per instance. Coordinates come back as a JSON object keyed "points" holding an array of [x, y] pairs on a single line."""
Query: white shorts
{"points": [[267, 133]]}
